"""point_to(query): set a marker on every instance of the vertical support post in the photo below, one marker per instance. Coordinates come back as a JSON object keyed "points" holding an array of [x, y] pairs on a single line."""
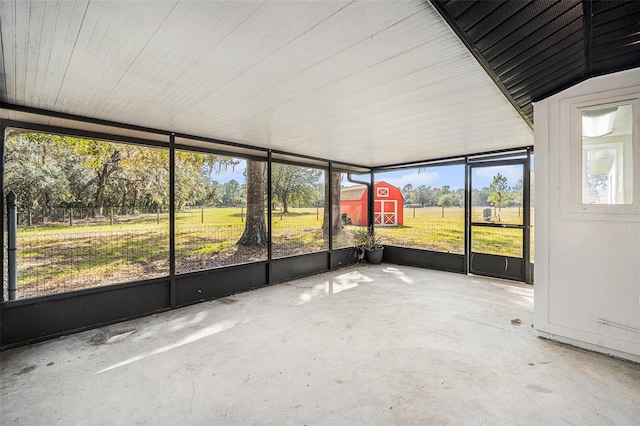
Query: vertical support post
{"points": [[526, 218], [371, 203], [70, 217], [202, 215], [172, 218], [12, 255], [269, 217], [2, 222], [330, 218], [467, 215]]}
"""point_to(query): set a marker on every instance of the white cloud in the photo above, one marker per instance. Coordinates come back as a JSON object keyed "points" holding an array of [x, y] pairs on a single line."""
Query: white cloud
{"points": [[512, 173], [415, 178]]}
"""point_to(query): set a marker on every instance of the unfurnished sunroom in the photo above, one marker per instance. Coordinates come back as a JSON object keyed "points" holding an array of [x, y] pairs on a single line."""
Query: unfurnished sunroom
{"points": [[177, 152]]}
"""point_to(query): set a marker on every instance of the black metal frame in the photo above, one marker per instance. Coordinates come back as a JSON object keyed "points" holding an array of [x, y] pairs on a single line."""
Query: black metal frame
{"points": [[492, 265], [269, 219], [45, 128], [526, 207], [3, 129], [172, 219], [463, 263], [40, 318], [441, 261]]}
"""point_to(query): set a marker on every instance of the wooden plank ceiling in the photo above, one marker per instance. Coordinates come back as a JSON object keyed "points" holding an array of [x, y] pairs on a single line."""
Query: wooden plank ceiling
{"points": [[534, 49], [369, 83]]}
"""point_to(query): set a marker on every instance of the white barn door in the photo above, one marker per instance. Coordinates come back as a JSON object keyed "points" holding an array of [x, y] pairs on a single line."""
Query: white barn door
{"points": [[386, 213]]}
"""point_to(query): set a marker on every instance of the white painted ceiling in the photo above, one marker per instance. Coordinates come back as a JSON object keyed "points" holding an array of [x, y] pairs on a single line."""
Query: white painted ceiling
{"points": [[363, 82]]}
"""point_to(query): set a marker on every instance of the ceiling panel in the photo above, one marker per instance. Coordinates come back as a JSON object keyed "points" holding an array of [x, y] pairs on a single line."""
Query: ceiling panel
{"points": [[534, 49], [370, 83]]}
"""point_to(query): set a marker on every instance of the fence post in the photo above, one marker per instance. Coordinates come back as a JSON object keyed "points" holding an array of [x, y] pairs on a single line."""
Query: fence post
{"points": [[317, 213], [241, 214], [12, 225], [202, 215], [70, 217]]}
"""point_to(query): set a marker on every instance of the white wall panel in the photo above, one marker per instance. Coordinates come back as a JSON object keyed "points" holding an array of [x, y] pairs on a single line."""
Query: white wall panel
{"points": [[587, 267]]}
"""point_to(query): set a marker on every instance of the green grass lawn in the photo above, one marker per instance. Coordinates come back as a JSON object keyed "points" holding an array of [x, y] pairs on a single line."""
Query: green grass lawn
{"points": [[426, 228], [57, 257]]}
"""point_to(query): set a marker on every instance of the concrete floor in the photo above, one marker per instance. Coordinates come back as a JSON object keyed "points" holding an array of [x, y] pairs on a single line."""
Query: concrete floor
{"points": [[365, 345]]}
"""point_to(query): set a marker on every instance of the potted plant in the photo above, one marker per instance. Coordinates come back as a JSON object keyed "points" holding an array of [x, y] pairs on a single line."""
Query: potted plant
{"points": [[370, 246]]}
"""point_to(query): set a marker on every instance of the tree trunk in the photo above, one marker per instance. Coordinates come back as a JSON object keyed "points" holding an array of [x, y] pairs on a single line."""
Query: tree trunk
{"points": [[255, 231], [103, 175], [285, 207], [102, 183], [123, 206], [134, 202], [332, 207]]}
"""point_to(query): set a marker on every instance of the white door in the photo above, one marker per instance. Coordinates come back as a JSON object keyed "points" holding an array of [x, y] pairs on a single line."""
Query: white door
{"points": [[385, 213]]}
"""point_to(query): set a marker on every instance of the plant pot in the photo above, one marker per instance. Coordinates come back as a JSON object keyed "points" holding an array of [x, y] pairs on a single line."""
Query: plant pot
{"points": [[374, 256]]}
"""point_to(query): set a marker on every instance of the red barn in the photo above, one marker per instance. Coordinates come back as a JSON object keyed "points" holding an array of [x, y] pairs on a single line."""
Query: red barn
{"points": [[388, 204]]}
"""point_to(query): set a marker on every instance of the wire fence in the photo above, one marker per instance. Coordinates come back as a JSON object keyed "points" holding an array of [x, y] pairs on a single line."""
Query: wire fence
{"points": [[50, 263], [53, 263], [300, 237], [437, 236], [84, 215], [206, 247]]}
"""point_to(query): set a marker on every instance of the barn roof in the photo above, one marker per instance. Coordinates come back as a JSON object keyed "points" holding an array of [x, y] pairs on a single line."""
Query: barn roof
{"points": [[353, 193]]}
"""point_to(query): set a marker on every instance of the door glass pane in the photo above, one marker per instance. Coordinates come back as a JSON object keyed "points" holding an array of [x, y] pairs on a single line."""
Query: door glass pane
{"points": [[497, 241], [497, 194]]}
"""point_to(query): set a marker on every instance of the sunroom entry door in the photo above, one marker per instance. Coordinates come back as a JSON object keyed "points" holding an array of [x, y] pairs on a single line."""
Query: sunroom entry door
{"points": [[498, 231]]}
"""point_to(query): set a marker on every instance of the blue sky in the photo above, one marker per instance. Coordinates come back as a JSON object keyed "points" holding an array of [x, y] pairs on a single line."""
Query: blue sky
{"points": [[429, 176], [449, 175], [230, 173]]}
